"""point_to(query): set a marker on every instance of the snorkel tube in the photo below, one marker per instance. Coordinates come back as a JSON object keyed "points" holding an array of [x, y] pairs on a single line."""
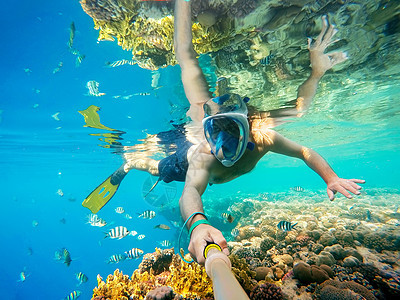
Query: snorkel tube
{"points": [[218, 268]]}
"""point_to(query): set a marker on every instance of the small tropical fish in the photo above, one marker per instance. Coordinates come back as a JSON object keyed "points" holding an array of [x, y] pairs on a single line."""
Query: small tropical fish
{"points": [[29, 251], [59, 191], [297, 189], [63, 221], [128, 216], [368, 215], [286, 226], [118, 232], [71, 34], [141, 237], [351, 207], [176, 224], [119, 210], [64, 256], [116, 258], [266, 60], [93, 88], [73, 295], [22, 276], [98, 222], [235, 232], [134, 253], [58, 68], [27, 71], [165, 243], [37, 91], [35, 223], [141, 94], [55, 117], [82, 278], [120, 62], [162, 226], [147, 214], [74, 51], [35, 105], [79, 60], [133, 233], [228, 218]]}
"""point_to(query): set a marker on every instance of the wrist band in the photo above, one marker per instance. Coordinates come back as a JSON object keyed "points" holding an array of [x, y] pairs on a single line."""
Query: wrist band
{"points": [[197, 223], [180, 234]]}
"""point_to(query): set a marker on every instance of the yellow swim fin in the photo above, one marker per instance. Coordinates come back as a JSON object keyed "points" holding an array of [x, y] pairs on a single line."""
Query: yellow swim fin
{"points": [[105, 191]]}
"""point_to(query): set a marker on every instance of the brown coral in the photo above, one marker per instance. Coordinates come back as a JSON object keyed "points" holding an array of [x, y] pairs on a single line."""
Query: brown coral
{"points": [[325, 290], [266, 291], [109, 10]]}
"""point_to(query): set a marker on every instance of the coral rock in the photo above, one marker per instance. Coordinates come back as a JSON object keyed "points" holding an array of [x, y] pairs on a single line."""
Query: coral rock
{"points": [[160, 293], [266, 291], [341, 289], [262, 272], [308, 274]]}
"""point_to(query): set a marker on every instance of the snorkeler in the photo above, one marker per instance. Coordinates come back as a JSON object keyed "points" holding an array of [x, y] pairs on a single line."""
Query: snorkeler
{"points": [[225, 138]]}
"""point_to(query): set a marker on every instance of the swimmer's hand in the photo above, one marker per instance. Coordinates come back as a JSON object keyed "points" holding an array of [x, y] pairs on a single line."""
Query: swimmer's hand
{"points": [[321, 62], [344, 186], [202, 234]]}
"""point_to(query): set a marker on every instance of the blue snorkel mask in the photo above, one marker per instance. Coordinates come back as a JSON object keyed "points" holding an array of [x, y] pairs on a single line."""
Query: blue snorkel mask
{"points": [[226, 127]]}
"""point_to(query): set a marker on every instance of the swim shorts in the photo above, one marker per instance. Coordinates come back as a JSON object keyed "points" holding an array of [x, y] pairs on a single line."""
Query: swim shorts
{"points": [[175, 166]]}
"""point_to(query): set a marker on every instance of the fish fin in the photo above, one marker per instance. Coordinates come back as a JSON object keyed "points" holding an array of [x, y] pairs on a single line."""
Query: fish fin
{"points": [[152, 188], [294, 225], [105, 191]]}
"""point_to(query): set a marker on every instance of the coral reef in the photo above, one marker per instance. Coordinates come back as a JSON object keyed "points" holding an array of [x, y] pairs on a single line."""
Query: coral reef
{"points": [[158, 261], [308, 274], [160, 293], [188, 280], [343, 290], [266, 291]]}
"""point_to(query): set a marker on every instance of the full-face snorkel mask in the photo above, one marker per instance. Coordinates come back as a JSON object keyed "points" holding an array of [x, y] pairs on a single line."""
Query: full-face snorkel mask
{"points": [[226, 127]]}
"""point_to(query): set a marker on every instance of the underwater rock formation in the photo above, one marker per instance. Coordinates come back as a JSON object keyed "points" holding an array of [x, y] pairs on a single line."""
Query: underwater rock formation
{"points": [[258, 44], [266, 291], [343, 290]]}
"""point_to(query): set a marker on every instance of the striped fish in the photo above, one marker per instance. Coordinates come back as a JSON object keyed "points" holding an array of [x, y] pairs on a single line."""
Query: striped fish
{"points": [[286, 226], [147, 214], [118, 232], [73, 295], [297, 189], [141, 94], [235, 232], [134, 253], [119, 210], [79, 60], [71, 35], [93, 88], [120, 62], [82, 278], [141, 237], [162, 226], [116, 258], [227, 218], [165, 243]]}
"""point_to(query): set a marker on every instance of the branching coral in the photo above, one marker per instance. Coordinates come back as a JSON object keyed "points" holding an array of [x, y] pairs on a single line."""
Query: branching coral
{"points": [[187, 280]]}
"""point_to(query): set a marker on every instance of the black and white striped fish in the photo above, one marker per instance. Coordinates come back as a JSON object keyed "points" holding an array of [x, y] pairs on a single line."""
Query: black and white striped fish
{"points": [[64, 256], [165, 243], [286, 226], [118, 232], [147, 214], [73, 295], [120, 62], [116, 258], [134, 253], [119, 210], [297, 189], [93, 88], [79, 60], [82, 278], [142, 94]]}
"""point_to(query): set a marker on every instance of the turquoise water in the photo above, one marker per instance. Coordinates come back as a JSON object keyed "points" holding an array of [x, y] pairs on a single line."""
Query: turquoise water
{"points": [[356, 128]]}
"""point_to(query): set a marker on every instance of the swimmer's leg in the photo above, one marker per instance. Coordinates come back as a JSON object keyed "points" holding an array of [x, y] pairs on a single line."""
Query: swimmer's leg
{"points": [[107, 189]]}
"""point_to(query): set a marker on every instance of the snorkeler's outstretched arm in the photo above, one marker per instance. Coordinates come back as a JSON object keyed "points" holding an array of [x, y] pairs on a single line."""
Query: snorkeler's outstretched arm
{"points": [[190, 202], [279, 144], [193, 79], [320, 63]]}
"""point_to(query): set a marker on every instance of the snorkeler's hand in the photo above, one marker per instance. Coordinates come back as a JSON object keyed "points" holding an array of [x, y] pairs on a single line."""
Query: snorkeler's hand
{"points": [[344, 186], [200, 236], [321, 62]]}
